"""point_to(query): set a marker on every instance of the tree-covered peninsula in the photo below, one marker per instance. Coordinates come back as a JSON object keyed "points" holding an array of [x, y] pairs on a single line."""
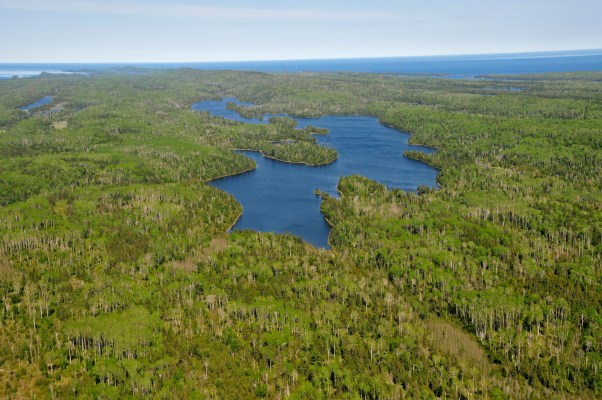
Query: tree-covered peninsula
{"points": [[118, 278]]}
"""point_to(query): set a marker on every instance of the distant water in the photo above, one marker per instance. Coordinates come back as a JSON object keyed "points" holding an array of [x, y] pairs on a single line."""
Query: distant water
{"points": [[38, 103], [9, 71], [279, 197], [463, 66]]}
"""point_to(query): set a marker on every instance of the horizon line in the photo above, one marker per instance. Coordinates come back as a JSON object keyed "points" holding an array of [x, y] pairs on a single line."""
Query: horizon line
{"points": [[551, 53]]}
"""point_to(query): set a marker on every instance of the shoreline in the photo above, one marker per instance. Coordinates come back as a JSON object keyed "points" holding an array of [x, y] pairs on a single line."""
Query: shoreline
{"points": [[288, 162], [242, 209], [422, 161], [331, 225], [228, 231], [328, 222], [232, 174], [410, 134]]}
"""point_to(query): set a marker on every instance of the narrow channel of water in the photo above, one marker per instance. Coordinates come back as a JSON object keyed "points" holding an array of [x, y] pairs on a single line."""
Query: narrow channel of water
{"points": [[279, 197]]}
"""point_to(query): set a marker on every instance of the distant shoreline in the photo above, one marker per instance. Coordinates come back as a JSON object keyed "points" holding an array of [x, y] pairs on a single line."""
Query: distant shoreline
{"points": [[449, 66]]}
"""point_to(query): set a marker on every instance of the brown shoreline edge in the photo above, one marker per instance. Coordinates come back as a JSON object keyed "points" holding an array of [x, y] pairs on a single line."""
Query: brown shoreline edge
{"points": [[237, 217], [241, 207], [228, 175], [328, 221], [331, 227]]}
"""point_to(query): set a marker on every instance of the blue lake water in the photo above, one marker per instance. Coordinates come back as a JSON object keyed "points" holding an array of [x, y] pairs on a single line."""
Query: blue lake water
{"points": [[458, 66], [38, 103], [279, 197]]}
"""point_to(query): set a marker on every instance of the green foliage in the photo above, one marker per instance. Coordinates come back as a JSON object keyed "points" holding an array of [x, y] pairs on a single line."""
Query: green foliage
{"points": [[118, 280]]}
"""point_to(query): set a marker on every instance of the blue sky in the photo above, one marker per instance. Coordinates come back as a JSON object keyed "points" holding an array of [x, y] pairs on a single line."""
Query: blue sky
{"points": [[187, 30]]}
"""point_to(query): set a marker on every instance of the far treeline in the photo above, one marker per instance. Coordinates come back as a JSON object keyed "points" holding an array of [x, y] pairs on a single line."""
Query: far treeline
{"points": [[118, 278]]}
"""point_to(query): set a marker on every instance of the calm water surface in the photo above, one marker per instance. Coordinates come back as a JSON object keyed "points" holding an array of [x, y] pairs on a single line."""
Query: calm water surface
{"points": [[38, 103], [459, 66], [279, 197]]}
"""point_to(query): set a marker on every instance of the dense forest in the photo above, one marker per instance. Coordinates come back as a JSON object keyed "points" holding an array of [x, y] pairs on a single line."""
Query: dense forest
{"points": [[118, 278]]}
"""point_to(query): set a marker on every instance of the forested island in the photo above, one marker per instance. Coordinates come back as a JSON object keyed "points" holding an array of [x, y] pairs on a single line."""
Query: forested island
{"points": [[118, 278]]}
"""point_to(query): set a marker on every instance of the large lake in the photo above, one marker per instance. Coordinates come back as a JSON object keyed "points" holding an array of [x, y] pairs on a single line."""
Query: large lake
{"points": [[279, 197]]}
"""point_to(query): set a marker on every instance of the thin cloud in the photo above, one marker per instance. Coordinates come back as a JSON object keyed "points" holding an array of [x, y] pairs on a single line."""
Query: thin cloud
{"points": [[194, 11]]}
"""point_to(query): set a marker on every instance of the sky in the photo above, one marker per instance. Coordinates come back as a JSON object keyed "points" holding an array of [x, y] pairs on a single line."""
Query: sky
{"points": [[232, 30]]}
